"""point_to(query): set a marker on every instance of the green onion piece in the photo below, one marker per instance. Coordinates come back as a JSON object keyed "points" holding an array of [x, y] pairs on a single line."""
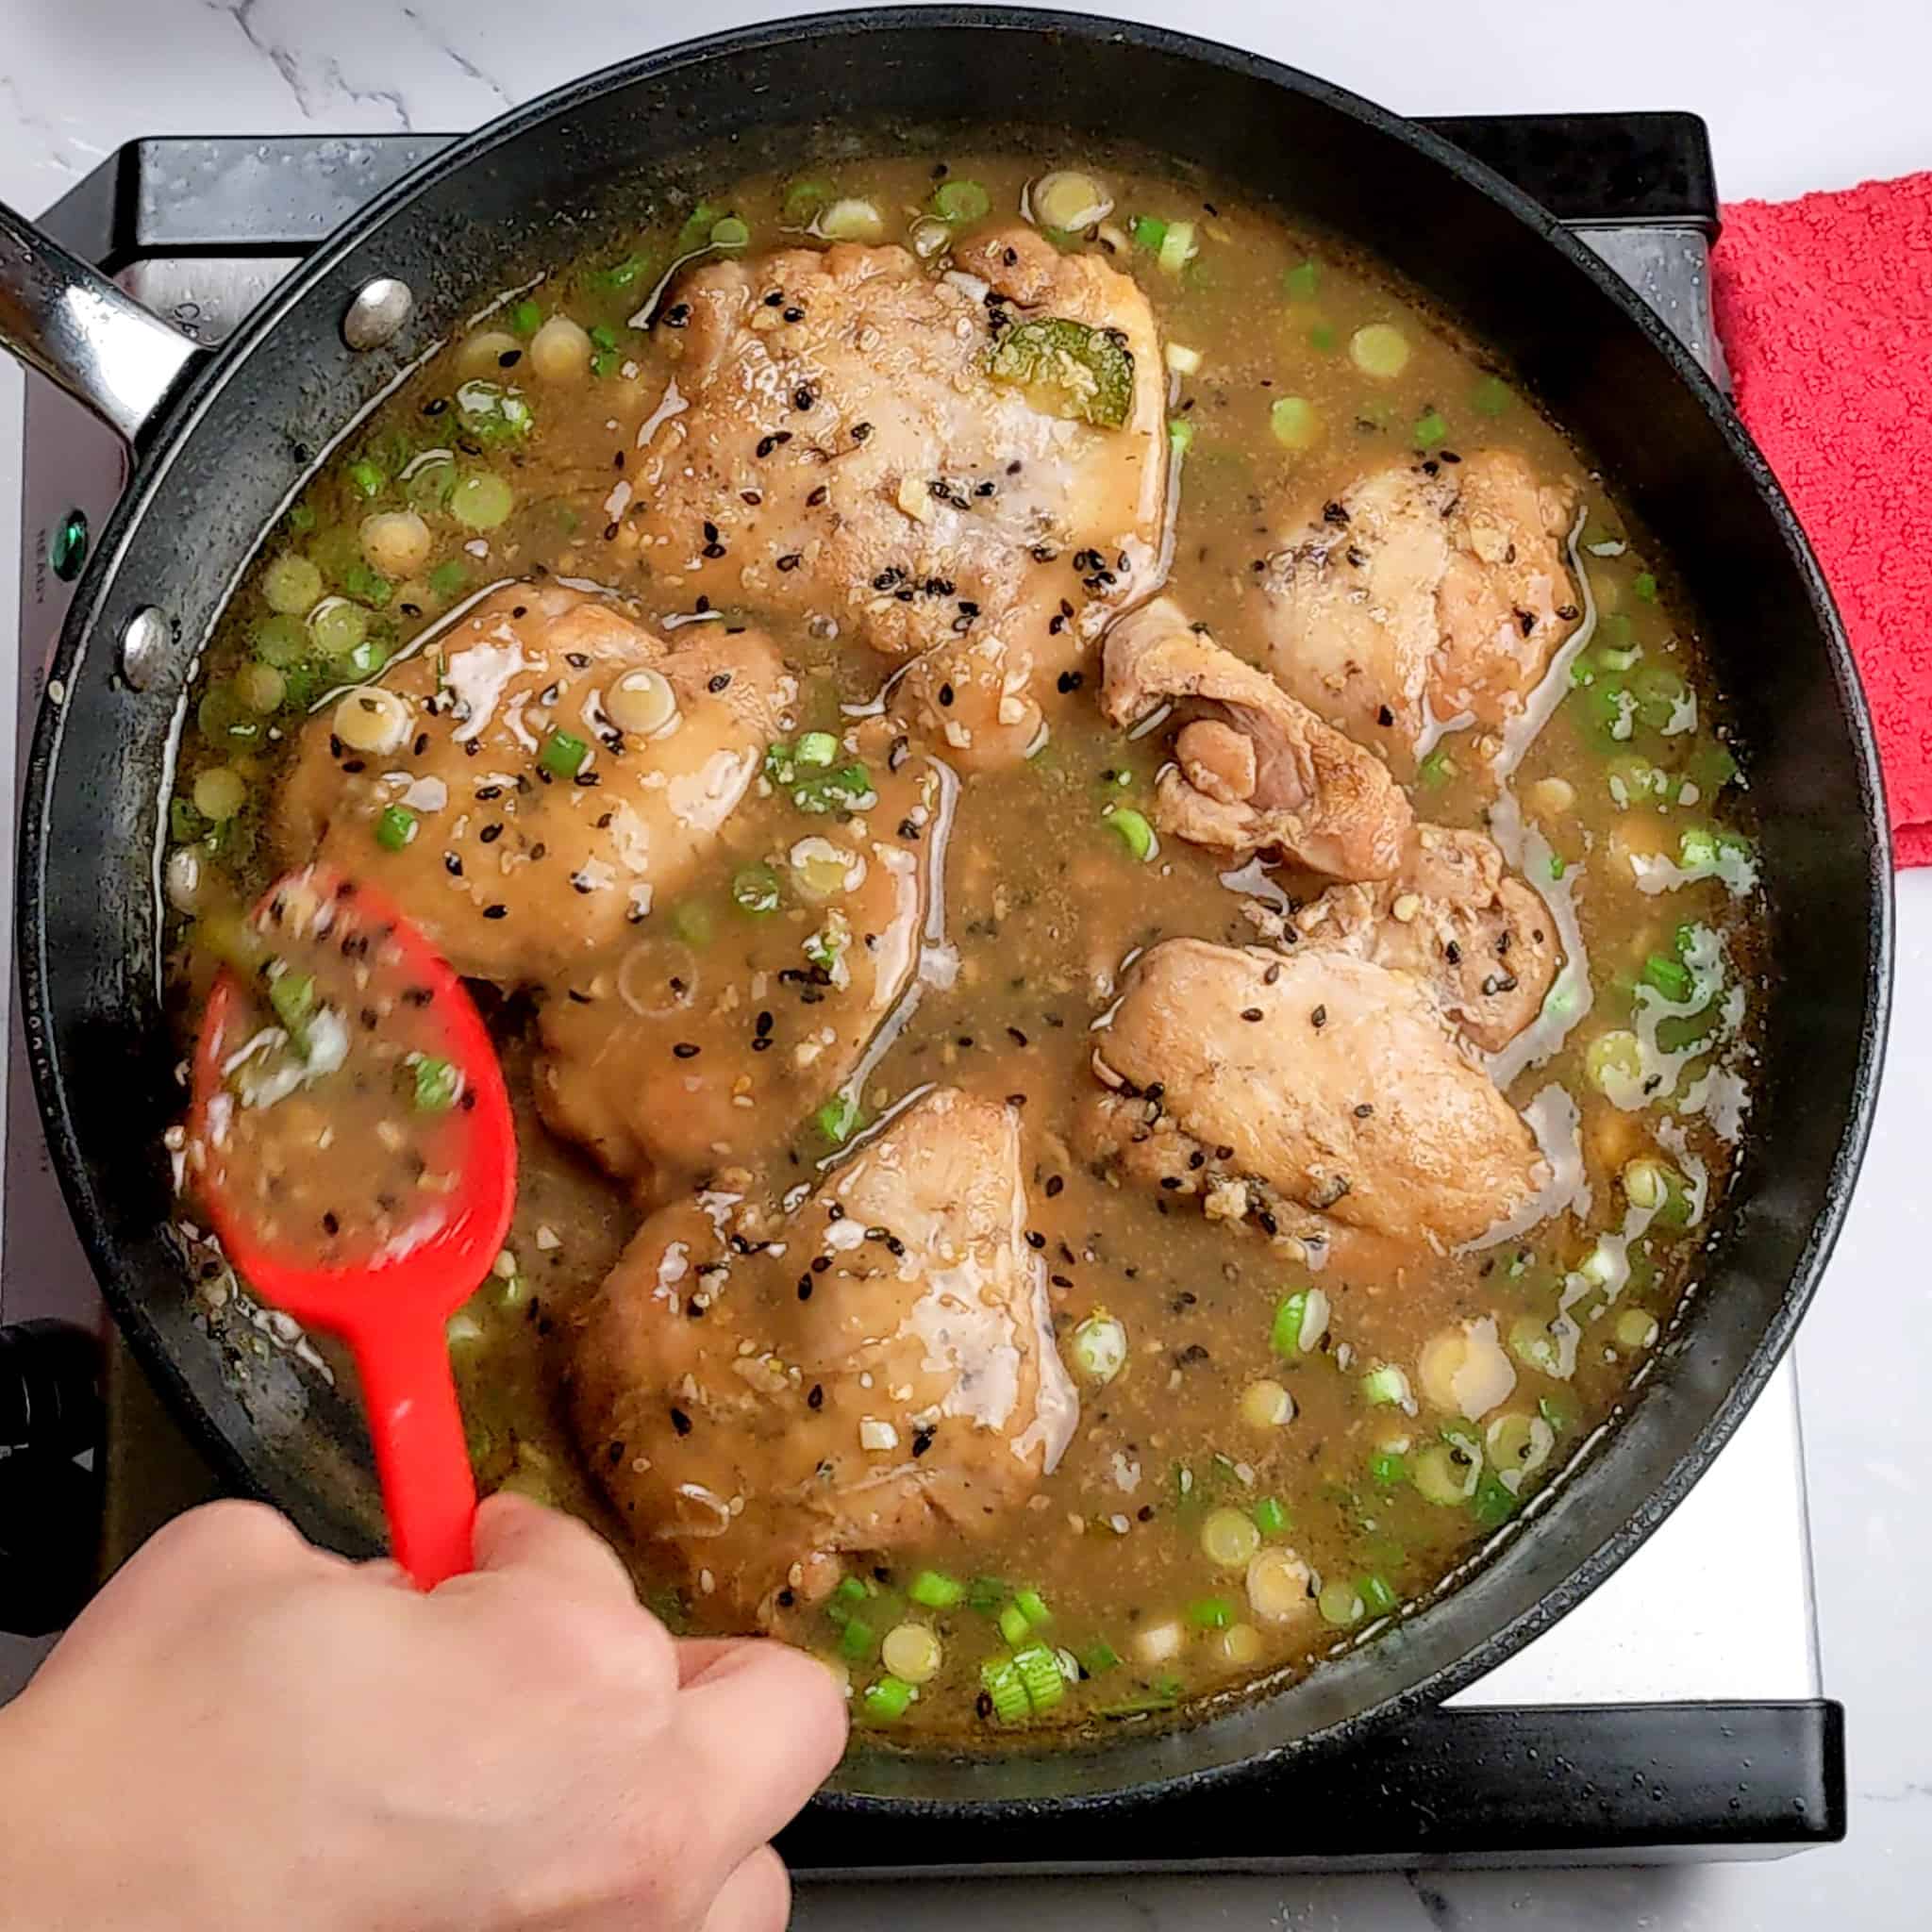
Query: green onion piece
{"points": [[1300, 1322], [1132, 830], [526, 318], [985, 1594], [1696, 846], [936, 1591], [300, 519], [850, 1589], [697, 227], [1032, 1605], [1374, 1591], [1149, 232], [1302, 281], [366, 479], [824, 949], [816, 748], [1068, 368], [366, 660], [1270, 1519], [1558, 865], [450, 579], [838, 1119], [1430, 430], [293, 996], [1180, 436], [847, 788], [621, 275], [1211, 1613], [1013, 1624], [961, 201], [1295, 422], [756, 890], [857, 1641], [730, 233], [1669, 976], [1177, 248], [1491, 396], [437, 1083], [1099, 1659], [1321, 337], [605, 363], [1000, 1680], [281, 640], [804, 199], [184, 823], [603, 336], [1644, 585], [563, 755], [481, 500], [1388, 1467], [395, 828], [1434, 771], [1494, 1503], [886, 1700], [367, 584], [1039, 1673], [1385, 1386]]}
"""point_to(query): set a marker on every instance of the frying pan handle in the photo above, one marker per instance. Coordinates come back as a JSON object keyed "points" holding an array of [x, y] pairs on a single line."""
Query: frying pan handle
{"points": [[72, 323]]}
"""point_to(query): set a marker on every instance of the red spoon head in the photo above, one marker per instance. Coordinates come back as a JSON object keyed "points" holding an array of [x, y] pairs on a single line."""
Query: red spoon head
{"points": [[350, 1136]]}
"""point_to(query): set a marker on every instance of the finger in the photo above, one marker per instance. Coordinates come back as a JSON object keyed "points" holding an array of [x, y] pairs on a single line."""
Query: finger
{"points": [[758, 1728], [756, 1898], [515, 1535], [697, 1655]]}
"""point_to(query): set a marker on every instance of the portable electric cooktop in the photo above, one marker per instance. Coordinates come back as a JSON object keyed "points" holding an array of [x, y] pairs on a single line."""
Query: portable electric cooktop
{"points": [[1662, 1719]]}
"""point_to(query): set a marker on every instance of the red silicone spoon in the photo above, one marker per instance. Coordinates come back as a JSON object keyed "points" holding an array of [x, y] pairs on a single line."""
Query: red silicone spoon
{"points": [[389, 1305]]}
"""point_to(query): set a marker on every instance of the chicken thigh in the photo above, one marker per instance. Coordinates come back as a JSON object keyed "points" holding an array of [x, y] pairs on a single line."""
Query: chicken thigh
{"points": [[668, 1059], [968, 470], [488, 786], [1425, 593], [1476, 937], [1323, 1094], [766, 1395], [1255, 769]]}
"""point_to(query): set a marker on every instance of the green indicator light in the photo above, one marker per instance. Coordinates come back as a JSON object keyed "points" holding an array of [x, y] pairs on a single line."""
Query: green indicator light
{"points": [[67, 551]]}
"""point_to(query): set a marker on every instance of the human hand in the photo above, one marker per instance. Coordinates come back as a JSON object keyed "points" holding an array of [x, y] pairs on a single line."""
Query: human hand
{"points": [[242, 1730]]}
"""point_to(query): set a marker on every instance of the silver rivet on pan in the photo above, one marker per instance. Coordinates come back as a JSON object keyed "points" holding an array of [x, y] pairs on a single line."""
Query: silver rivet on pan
{"points": [[380, 309], [144, 639]]}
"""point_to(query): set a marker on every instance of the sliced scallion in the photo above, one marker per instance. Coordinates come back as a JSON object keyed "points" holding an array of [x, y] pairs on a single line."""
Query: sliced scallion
{"points": [[934, 1591], [888, 1700]]}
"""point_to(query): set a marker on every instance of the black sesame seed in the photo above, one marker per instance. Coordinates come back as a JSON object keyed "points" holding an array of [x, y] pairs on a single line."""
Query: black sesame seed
{"points": [[1319, 1016], [680, 1421], [685, 1049], [497, 912]]}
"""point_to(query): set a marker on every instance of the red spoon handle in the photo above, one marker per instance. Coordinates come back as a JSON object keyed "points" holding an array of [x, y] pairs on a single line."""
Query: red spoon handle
{"points": [[421, 1455]]}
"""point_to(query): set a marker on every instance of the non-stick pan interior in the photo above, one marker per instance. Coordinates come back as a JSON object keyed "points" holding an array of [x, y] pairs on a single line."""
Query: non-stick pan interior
{"points": [[549, 181]]}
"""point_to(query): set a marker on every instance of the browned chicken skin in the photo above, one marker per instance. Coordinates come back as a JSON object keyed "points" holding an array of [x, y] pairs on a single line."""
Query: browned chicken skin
{"points": [[1429, 590], [766, 1395], [611, 1076], [1325, 1096], [515, 871], [1256, 768], [837, 448], [1482, 942]]}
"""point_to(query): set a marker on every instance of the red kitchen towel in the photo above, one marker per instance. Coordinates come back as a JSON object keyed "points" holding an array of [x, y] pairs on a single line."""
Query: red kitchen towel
{"points": [[1825, 307]]}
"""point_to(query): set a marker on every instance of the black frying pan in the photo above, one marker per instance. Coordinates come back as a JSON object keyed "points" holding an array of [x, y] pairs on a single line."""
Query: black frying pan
{"points": [[225, 439]]}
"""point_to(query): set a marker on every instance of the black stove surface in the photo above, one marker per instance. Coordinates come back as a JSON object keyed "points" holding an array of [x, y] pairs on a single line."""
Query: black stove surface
{"points": [[1625, 1782]]}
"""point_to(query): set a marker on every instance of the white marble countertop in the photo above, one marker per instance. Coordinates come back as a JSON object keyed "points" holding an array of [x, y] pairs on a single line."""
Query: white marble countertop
{"points": [[1797, 97]]}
